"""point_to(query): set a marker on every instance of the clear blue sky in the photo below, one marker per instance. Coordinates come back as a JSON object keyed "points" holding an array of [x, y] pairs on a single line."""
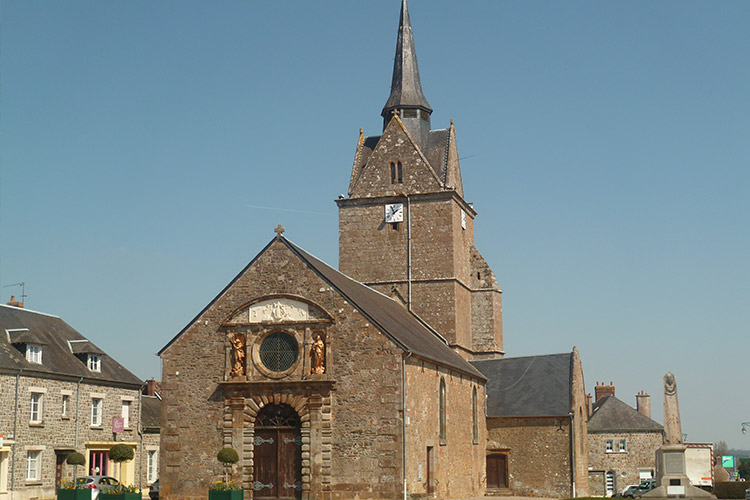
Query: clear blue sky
{"points": [[606, 146]]}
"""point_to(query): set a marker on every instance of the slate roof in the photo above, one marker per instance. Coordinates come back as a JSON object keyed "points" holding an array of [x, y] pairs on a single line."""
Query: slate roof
{"points": [[530, 386], [150, 413], [57, 357], [406, 88], [393, 319], [612, 415]]}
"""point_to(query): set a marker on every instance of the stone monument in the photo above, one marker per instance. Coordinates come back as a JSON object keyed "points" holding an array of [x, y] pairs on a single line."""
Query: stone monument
{"points": [[670, 458]]}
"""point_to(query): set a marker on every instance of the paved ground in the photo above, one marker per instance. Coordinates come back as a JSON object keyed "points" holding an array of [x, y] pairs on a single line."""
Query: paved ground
{"points": [[509, 498]]}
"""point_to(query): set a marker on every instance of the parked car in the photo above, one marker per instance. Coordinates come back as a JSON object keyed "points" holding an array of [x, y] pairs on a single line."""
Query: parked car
{"points": [[628, 491], [747, 494], [645, 486], [97, 484], [153, 490]]}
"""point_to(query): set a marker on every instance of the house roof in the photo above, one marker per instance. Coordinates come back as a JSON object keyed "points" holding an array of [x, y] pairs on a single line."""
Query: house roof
{"points": [[404, 328], [529, 386], [612, 415], [20, 326], [150, 412]]}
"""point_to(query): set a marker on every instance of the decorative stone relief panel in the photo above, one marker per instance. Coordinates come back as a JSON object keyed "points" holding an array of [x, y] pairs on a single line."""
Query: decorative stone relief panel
{"points": [[277, 310]]}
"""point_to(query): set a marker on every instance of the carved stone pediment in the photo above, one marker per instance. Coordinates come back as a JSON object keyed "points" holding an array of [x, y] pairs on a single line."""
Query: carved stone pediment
{"points": [[277, 310]]}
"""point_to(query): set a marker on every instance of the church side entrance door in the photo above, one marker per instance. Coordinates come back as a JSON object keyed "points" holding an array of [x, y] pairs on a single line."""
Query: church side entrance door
{"points": [[497, 471], [278, 454]]}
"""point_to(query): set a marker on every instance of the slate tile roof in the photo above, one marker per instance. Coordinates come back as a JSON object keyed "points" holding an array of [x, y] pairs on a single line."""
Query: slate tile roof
{"points": [[529, 386], [60, 342], [612, 415]]}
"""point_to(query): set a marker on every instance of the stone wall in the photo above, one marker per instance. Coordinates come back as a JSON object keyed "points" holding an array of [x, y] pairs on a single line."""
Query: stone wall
{"points": [[57, 432], [538, 451], [351, 434], [456, 463], [639, 455]]}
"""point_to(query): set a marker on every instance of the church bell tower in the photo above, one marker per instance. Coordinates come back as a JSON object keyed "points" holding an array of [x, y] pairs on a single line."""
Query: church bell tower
{"points": [[405, 228]]}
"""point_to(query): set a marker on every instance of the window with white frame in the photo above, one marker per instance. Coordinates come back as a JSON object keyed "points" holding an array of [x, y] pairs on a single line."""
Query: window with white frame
{"points": [[64, 405], [37, 408], [97, 407], [608, 446], [126, 413], [152, 466], [95, 362], [33, 463], [621, 446], [34, 353]]}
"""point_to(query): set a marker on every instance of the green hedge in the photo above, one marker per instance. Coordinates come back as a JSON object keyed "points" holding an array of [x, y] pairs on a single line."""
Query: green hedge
{"points": [[731, 489]]}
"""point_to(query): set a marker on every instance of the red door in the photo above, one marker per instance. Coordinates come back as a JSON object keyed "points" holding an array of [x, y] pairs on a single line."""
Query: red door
{"points": [[98, 461], [278, 454], [497, 471]]}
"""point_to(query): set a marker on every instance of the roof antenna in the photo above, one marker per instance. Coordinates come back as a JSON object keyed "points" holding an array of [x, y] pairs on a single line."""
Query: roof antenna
{"points": [[23, 290]]}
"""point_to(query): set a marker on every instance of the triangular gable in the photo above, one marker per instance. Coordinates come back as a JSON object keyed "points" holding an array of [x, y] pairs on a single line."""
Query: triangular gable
{"points": [[613, 415], [374, 177]]}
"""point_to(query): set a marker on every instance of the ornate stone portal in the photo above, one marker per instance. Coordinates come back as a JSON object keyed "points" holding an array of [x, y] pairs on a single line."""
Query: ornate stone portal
{"points": [[670, 458]]}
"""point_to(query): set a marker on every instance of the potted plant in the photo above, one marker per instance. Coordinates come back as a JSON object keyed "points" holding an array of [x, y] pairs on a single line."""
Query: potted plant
{"points": [[120, 453], [69, 490], [226, 489]]}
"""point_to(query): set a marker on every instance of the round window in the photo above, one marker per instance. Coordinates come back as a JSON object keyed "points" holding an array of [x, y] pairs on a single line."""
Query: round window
{"points": [[278, 351]]}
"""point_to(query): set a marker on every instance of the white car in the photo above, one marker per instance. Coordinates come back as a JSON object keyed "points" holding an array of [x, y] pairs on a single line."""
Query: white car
{"points": [[96, 484]]}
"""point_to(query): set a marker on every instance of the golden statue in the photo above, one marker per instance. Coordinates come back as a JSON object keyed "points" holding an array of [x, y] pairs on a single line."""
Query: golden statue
{"points": [[318, 355], [238, 350]]}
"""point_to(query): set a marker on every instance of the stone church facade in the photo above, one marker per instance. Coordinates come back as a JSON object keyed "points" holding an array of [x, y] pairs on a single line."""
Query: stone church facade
{"points": [[356, 382]]}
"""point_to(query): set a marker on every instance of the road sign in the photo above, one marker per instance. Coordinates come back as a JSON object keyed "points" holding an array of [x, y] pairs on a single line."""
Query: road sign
{"points": [[727, 461]]}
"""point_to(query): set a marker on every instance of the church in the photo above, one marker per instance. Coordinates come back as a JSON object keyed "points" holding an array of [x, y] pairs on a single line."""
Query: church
{"points": [[366, 381]]}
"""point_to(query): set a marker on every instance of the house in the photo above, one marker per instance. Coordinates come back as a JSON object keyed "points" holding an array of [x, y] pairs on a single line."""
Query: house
{"points": [[622, 442], [536, 425], [60, 393]]}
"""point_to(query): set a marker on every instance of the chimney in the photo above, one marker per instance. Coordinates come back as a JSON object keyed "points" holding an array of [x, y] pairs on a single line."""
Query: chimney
{"points": [[643, 403], [15, 303], [589, 405], [153, 387], [601, 390]]}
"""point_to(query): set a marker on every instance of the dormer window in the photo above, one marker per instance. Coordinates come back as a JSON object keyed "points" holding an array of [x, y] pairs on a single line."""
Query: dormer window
{"points": [[94, 362], [34, 353]]}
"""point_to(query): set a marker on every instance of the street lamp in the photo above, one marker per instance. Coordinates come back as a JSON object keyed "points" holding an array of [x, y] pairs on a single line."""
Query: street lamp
{"points": [[745, 427]]}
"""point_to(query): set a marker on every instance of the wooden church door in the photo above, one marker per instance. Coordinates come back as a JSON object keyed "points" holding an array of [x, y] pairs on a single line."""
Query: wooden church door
{"points": [[278, 454], [497, 471]]}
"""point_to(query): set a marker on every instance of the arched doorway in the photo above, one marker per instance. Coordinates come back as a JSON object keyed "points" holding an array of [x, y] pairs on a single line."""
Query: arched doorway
{"points": [[277, 454]]}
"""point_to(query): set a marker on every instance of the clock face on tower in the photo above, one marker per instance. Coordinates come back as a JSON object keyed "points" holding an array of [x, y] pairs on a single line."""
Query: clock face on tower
{"points": [[394, 212]]}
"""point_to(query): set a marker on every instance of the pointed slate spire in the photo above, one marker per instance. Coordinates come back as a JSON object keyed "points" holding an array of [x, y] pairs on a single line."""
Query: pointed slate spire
{"points": [[406, 88]]}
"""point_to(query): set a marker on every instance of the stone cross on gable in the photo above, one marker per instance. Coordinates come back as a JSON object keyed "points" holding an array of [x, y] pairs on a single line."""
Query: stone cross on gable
{"points": [[279, 230]]}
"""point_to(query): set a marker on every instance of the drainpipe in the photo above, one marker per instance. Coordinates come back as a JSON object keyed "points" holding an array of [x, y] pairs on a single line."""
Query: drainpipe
{"points": [[15, 436], [78, 399], [139, 430], [403, 415], [408, 250], [572, 457]]}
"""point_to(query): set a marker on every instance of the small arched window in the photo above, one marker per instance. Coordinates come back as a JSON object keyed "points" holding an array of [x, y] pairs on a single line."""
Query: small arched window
{"points": [[443, 432]]}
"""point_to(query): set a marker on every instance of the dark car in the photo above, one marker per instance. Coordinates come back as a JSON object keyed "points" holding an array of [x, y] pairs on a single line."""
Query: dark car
{"points": [[153, 490]]}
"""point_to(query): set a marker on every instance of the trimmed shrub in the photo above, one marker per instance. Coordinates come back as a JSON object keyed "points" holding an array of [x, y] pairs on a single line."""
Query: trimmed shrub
{"points": [[121, 453], [76, 458], [228, 456]]}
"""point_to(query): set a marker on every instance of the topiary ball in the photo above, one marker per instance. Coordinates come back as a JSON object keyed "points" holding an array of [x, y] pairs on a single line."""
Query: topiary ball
{"points": [[228, 456], [76, 458], [121, 453]]}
